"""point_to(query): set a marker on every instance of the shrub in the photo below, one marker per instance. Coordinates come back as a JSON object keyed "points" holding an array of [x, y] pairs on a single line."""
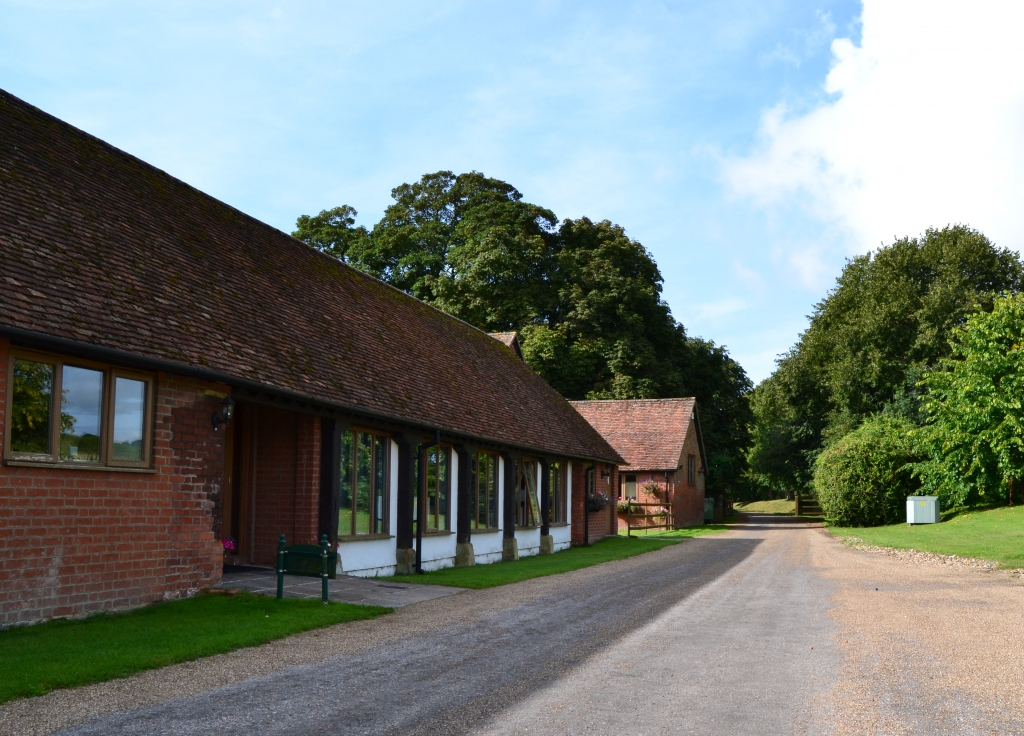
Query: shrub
{"points": [[863, 479]]}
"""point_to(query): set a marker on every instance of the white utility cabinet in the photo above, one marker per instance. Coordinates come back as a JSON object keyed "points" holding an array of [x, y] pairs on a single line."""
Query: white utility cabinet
{"points": [[922, 509]]}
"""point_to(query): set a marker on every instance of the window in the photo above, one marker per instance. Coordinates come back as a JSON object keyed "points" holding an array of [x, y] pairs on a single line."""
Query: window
{"points": [[77, 413], [363, 497], [483, 498], [557, 495], [437, 490], [628, 489], [527, 511], [691, 470]]}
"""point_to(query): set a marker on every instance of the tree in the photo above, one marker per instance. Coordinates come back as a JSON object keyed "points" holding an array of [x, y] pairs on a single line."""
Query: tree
{"points": [[722, 390], [887, 321], [975, 432], [410, 245], [332, 232], [584, 297]]}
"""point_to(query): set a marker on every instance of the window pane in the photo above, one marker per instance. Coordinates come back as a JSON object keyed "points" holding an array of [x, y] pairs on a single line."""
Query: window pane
{"points": [[81, 404], [364, 470], [431, 457], [442, 488], [345, 494], [631, 487], [30, 409], [380, 484], [554, 497], [474, 492], [492, 491], [129, 419]]}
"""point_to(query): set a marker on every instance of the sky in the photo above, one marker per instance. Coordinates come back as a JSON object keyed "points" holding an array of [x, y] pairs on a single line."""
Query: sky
{"points": [[751, 145]]}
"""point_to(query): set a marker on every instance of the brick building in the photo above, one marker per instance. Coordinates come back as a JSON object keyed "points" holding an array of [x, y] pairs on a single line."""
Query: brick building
{"points": [[180, 384], [661, 442]]}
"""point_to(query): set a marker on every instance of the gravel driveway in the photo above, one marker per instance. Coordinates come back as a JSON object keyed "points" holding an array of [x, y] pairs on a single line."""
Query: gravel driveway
{"points": [[774, 628]]}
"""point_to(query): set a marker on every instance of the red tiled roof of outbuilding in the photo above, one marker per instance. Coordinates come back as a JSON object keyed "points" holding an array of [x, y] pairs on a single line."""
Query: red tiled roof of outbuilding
{"points": [[100, 248], [648, 433]]}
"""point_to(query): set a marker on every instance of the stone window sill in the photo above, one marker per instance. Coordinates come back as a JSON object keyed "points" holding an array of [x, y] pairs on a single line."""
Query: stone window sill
{"points": [[76, 466], [362, 537]]}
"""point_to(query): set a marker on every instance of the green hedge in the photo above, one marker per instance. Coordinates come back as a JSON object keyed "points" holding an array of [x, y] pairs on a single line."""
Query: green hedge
{"points": [[863, 479]]}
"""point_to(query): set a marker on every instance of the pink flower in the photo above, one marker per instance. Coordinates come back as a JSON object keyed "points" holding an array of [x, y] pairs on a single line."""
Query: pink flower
{"points": [[229, 543]]}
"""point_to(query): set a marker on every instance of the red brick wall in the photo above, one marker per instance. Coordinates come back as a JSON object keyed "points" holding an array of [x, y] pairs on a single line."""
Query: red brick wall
{"points": [[76, 541], [688, 501], [287, 480], [645, 496], [600, 523]]}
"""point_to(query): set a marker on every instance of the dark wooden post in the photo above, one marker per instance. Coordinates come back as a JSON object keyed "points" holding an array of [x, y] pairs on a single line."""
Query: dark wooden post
{"points": [[332, 432], [405, 563], [509, 547], [464, 556]]}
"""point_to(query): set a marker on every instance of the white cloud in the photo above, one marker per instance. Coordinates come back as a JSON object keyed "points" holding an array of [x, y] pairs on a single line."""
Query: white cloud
{"points": [[926, 128]]}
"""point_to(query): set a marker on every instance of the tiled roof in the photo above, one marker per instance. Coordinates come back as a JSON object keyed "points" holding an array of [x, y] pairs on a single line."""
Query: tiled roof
{"points": [[101, 248], [648, 433], [509, 339]]}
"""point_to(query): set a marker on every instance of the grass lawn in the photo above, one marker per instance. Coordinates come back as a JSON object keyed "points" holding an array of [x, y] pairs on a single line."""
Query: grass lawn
{"points": [[685, 533], [778, 506], [992, 534], [66, 653], [503, 573]]}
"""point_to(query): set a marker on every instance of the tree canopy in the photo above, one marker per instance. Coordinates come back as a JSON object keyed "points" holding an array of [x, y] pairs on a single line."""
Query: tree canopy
{"points": [[975, 431], [887, 321], [585, 298]]}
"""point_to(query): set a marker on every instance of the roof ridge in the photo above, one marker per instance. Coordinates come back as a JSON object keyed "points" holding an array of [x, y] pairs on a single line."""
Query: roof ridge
{"points": [[634, 401]]}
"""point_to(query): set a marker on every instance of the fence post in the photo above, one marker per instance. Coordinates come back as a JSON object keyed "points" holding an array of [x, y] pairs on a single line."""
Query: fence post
{"points": [[323, 569], [280, 567]]}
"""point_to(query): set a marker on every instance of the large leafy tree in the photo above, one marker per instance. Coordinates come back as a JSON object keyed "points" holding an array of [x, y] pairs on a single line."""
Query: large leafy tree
{"points": [[887, 321], [585, 298], [975, 429], [334, 232]]}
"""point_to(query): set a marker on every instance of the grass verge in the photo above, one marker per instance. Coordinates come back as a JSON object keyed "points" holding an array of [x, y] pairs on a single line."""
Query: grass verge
{"points": [[991, 534], [503, 573], [685, 533], [68, 653], [778, 506]]}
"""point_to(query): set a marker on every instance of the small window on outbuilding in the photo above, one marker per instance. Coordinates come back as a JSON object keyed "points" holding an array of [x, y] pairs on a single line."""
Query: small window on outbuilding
{"points": [[628, 488], [691, 470]]}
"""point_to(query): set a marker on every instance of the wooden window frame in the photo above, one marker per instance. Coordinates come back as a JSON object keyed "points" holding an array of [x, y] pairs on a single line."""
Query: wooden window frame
{"points": [[624, 495], [350, 534], [558, 498], [691, 470], [530, 512], [110, 374], [431, 526], [483, 497]]}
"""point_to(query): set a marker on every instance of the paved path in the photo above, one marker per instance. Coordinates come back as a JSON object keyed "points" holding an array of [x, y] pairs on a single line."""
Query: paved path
{"points": [[344, 588], [772, 628]]}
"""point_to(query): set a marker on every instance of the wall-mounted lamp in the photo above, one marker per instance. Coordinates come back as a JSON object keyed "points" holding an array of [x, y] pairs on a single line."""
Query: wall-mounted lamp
{"points": [[227, 410], [605, 473]]}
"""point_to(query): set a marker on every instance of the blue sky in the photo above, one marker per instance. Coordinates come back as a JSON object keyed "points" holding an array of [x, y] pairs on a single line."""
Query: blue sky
{"points": [[717, 133]]}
